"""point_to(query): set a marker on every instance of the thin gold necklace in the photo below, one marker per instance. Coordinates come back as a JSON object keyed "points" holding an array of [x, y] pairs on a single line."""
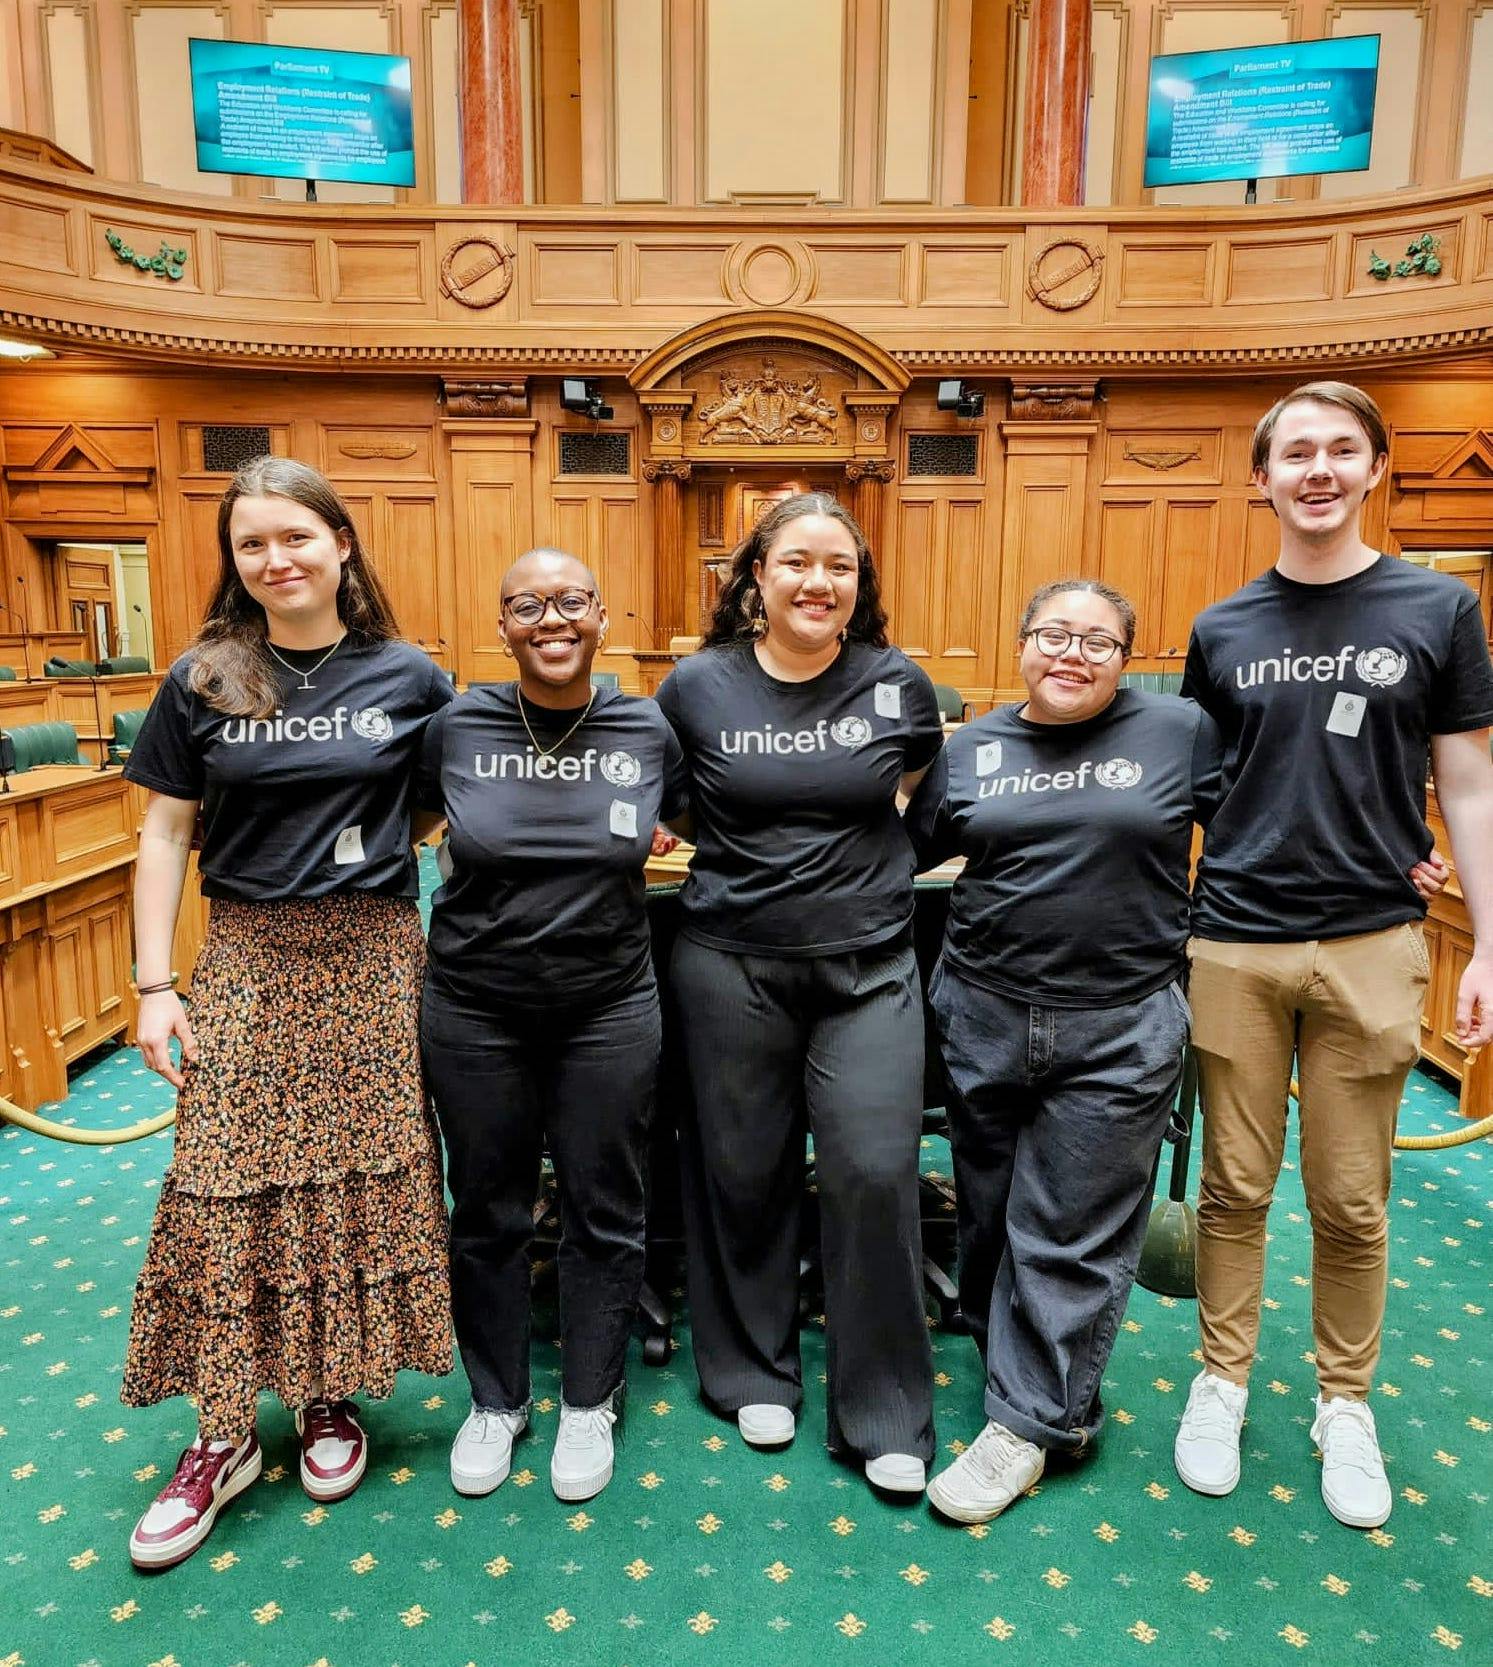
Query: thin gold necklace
{"points": [[305, 676], [544, 752]]}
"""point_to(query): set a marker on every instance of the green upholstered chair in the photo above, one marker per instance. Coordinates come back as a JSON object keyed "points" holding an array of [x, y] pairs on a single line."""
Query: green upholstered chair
{"points": [[126, 728], [1153, 682], [124, 665], [953, 708], [51, 743], [605, 680], [58, 667], [7, 674]]}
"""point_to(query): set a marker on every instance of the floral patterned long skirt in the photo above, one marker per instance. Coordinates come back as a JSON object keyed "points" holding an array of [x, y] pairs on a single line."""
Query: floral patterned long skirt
{"points": [[300, 1239]]}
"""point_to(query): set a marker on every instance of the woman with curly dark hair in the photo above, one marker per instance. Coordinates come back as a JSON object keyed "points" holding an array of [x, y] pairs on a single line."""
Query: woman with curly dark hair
{"points": [[798, 990], [299, 1241]]}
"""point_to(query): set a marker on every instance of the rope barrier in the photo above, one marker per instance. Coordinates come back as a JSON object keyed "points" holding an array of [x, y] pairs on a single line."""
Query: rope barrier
{"points": [[29, 1121]]}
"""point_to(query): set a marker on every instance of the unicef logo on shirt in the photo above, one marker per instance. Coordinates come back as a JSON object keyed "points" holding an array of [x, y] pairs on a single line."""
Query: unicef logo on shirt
{"points": [[621, 769], [1381, 666], [1117, 773], [373, 724], [850, 732]]}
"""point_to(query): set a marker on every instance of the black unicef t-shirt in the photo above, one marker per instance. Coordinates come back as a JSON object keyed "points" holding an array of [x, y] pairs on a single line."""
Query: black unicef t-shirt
{"points": [[799, 847], [312, 800], [545, 901], [1327, 697], [1076, 839]]}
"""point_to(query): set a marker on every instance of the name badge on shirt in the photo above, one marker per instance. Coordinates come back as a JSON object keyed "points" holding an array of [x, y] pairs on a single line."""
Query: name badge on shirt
{"points": [[623, 819], [888, 700], [987, 758], [349, 847], [1346, 716]]}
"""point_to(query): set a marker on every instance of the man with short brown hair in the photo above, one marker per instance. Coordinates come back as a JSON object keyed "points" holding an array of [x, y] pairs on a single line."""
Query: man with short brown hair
{"points": [[1330, 677]]}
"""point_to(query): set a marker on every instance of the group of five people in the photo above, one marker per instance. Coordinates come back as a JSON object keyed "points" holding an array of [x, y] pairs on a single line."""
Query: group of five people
{"points": [[300, 1244]]}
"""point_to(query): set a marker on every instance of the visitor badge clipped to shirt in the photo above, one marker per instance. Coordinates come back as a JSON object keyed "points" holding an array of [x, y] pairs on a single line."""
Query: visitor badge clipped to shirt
{"points": [[349, 847], [888, 700], [987, 758], [624, 819], [1346, 716]]}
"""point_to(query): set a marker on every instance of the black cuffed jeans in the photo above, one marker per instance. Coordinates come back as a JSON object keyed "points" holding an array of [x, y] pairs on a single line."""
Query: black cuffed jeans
{"points": [[506, 1082]]}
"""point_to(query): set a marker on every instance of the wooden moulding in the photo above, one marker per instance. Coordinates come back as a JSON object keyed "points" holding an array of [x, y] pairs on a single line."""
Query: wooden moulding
{"points": [[934, 290]]}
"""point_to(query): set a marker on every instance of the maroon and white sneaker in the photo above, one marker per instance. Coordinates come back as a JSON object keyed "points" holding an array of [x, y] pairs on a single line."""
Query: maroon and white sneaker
{"points": [[334, 1450], [184, 1511]]}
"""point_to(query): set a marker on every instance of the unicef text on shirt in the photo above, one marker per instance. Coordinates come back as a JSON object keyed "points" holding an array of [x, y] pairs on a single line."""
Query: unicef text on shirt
{"points": [[1377, 666], [849, 732], [1117, 774], [621, 769], [372, 723]]}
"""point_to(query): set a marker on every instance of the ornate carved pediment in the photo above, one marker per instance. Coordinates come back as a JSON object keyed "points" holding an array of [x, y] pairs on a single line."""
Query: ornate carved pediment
{"points": [[1468, 463], [768, 408], [73, 474]]}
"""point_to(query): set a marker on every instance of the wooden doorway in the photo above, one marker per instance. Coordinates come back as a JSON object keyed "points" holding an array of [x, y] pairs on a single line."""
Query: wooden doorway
{"points": [[723, 504]]}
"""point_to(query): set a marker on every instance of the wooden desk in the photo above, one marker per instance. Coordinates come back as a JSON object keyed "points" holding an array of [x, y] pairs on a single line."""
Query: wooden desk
{"points": [[68, 840], [71, 700]]}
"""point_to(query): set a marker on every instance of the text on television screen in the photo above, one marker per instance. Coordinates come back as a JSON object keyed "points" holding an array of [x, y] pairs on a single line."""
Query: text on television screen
{"points": [[297, 112], [1258, 112]]}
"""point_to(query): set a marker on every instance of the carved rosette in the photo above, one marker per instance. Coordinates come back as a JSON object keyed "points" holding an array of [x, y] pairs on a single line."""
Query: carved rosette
{"points": [[476, 272], [486, 399], [1058, 402]]}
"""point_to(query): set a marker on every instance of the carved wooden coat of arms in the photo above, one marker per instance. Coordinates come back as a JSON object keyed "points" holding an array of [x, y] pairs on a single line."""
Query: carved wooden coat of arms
{"points": [[768, 410]]}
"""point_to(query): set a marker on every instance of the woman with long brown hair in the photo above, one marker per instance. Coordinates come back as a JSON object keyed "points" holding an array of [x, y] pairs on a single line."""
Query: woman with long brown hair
{"points": [[798, 990], [299, 1243]]}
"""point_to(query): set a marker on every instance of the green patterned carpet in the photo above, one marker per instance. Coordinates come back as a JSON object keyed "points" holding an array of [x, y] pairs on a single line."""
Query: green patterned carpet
{"points": [[702, 1551]]}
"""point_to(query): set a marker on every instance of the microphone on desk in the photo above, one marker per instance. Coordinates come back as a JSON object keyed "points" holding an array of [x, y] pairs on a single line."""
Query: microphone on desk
{"points": [[19, 616], [135, 608], [647, 626]]}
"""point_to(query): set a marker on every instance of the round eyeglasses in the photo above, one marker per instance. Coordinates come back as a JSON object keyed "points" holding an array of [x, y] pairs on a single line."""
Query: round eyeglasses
{"points": [[529, 609], [1053, 640]]}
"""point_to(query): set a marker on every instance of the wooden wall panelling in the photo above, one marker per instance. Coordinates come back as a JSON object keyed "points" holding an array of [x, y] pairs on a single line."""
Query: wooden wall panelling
{"points": [[493, 507]]}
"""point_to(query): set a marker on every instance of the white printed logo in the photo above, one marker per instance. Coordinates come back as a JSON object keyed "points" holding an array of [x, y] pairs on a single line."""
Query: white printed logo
{"points": [[987, 758], [850, 732], [1381, 666], [1117, 773], [621, 769], [373, 724]]}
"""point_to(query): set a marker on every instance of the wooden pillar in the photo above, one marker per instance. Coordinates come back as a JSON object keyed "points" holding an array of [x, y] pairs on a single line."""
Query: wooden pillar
{"points": [[867, 477], [1057, 102], [671, 576], [492, 133]]}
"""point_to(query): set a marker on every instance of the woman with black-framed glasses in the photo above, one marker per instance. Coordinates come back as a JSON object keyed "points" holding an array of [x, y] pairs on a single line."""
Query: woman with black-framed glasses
{"points": [[540, 1020], [1060, 1013]]}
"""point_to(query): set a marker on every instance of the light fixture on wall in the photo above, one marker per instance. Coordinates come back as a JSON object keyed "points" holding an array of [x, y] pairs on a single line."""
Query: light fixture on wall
{"points": [[578, 393], [960, 398], [23, 351]]}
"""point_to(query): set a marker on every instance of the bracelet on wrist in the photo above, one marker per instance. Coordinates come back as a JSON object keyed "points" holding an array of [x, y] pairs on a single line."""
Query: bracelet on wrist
{"points": [[156, 989]]}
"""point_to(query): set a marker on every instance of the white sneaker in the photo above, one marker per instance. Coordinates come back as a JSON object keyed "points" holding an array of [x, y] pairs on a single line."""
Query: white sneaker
{"points": [[482, 1454], [1354, 1486], [897, 1473], [994, 1470], [582, 1463], [1206, 1452], [766, 1424]]}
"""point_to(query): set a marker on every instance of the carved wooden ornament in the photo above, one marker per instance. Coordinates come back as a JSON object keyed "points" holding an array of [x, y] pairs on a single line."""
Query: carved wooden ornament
{"points": [[768, 410], [1065, 274], [476, 272]]}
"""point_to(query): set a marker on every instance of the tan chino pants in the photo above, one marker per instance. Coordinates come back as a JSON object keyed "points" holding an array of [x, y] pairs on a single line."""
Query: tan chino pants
{"points": [[1348, 1010]]}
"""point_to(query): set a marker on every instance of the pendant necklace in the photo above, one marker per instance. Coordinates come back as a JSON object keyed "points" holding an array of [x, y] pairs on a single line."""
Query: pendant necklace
{"points": [[544, 752], [305, 676]]}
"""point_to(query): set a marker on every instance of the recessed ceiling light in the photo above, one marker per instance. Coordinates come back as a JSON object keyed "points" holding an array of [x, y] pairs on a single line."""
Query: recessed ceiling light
{"points": [[24, 350]]}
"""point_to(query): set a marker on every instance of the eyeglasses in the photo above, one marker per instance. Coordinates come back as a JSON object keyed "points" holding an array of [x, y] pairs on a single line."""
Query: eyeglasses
{"points": [[1095, 647], [529, 609]]}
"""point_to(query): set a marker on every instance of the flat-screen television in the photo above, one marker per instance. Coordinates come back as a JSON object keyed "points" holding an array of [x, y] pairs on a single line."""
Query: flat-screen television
{"points": [[302, 112], [1258, 112]]}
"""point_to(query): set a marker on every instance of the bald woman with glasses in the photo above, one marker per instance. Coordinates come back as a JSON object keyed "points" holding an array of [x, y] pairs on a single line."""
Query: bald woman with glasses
{"points": [[540, 1018]]}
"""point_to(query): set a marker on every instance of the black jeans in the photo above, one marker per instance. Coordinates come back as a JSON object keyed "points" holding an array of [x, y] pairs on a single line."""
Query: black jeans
{"points": [[1055, 1117], [834, 1043], [505, 1083]]}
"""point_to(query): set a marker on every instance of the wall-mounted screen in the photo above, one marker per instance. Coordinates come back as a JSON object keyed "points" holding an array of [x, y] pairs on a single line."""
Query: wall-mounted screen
{"points": [[297, 112], [1258, 112]]}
